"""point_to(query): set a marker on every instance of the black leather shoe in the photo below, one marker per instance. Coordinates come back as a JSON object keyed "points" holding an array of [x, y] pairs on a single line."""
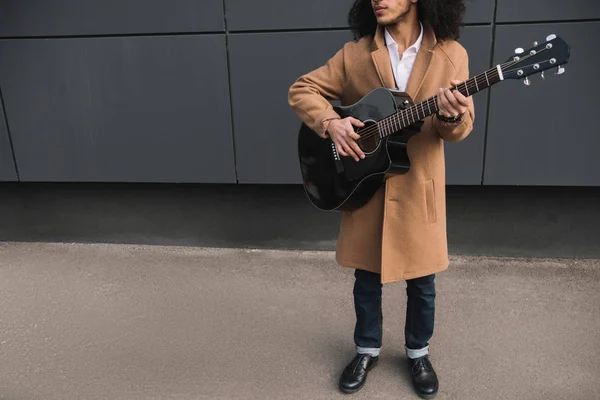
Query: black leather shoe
{"points": [[424, 379], [355, 374]]}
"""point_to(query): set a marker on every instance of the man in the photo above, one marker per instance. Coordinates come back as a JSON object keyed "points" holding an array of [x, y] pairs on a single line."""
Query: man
{"points": [[400, 234]]}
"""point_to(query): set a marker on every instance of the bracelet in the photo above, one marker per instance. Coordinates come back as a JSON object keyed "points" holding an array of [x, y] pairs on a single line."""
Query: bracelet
{"points": [[325, 123], [452, 120], [329, 119]]}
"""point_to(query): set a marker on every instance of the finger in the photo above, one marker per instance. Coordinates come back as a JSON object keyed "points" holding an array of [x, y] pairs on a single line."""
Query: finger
{"points": [[452, 105], [443, 104], [354, 135], [340, 150], [462, 100], [452, 102], [357, 149], [350, 152], [454, 85], [356, 122]]}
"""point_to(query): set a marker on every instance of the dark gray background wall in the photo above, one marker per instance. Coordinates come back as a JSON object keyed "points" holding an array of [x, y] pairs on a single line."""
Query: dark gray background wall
{"points": [[195, 91]]}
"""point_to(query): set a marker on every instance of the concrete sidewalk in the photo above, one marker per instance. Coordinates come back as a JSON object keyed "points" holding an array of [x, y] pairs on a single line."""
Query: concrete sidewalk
{"points": [[141, 322]]}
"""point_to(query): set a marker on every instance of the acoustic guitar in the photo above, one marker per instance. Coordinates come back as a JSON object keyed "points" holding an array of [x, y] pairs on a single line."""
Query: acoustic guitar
{"points": [[333, 182]]}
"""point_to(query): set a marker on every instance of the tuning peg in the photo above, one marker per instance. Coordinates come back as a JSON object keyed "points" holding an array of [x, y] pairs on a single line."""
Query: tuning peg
{"points": [[527, 82], [519, 51], [550, 37], [535, 44], [560, 70], [542, 75]]}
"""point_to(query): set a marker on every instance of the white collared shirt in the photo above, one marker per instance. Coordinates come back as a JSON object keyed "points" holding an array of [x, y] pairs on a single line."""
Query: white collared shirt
{"points": [[402, 67]]}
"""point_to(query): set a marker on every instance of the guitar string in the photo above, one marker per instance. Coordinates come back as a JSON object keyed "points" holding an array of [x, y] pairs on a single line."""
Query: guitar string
{"points": [[389, 123], [469, 85], [375, 128], [408, 113]]}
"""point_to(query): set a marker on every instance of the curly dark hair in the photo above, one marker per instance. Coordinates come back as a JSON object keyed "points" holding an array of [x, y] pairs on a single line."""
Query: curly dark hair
{"points": [[444, 16]]}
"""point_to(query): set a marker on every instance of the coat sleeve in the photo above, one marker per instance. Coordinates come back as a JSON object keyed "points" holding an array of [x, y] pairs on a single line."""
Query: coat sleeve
{"points": [[309, 95], [455, 132]]}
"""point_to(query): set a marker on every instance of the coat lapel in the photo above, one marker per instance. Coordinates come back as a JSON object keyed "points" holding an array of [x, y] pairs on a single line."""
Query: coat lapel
{"points": [[381, 59], [422, 62]]}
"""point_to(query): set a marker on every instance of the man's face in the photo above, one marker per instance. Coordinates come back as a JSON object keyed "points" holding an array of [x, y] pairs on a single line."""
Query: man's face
{"points": [[389, 12]]}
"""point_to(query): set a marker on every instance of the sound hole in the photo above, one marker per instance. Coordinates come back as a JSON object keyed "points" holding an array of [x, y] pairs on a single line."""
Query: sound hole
{"points": [[369, 137]]}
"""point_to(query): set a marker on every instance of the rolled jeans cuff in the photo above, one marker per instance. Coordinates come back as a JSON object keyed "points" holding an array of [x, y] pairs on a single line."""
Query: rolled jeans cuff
{"points": [[372, 351], [412, 354]]}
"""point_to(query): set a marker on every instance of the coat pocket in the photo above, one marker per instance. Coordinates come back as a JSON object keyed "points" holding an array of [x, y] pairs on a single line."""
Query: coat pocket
{"points": [[430, 204]]}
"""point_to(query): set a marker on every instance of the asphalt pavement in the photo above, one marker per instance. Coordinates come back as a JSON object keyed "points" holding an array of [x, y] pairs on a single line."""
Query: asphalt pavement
{"points": [[99, 321]]}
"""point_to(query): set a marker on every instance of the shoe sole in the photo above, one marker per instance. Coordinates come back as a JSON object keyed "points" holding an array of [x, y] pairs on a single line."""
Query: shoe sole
{"points": [[426, 396], [351, 391]]}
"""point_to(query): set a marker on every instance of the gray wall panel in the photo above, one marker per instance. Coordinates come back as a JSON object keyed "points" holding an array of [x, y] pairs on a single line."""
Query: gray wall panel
{"points": [[464, 160], [547, 10], [7, 165], [90, 17], [130, 109], [546, 134], [266, 129], [277, 14], [479, 11]]}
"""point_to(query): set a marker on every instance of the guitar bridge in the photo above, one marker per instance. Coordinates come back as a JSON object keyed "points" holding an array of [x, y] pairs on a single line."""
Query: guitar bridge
{"points": [[336, 155], [339, 166]]}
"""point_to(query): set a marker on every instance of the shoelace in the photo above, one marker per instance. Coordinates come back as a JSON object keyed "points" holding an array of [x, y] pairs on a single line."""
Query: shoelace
{"points": [[421, 363], [357, 361]]}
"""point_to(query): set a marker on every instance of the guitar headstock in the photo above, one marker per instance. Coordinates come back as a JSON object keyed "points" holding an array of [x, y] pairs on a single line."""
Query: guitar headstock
{"points": [[553, 53]]}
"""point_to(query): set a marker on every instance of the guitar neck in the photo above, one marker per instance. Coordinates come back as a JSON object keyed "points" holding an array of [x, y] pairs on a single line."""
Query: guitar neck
{"points": [[405, 118]]}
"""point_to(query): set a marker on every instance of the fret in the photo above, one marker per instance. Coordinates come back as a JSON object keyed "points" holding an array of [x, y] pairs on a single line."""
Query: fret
{"points": [[486, 78], [467, 89], [423, 107], [429, 107], [476, 85]]}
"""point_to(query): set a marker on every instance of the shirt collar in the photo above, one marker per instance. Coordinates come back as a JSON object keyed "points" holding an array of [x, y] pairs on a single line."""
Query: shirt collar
{"points": [[390, 42]]}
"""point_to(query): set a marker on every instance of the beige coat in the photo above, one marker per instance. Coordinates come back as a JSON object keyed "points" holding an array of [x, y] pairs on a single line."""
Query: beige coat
{"points": [[401, 232]]}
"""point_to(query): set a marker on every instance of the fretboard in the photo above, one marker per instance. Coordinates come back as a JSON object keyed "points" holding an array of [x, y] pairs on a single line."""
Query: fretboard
{"points": [[424, 109]]}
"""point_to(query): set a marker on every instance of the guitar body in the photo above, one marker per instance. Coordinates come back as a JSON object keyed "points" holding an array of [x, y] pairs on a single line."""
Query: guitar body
{"points": [[334, 182]]}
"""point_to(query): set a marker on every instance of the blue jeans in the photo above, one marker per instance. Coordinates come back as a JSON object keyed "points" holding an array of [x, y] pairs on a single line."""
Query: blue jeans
{"points": [[420, 310]]}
